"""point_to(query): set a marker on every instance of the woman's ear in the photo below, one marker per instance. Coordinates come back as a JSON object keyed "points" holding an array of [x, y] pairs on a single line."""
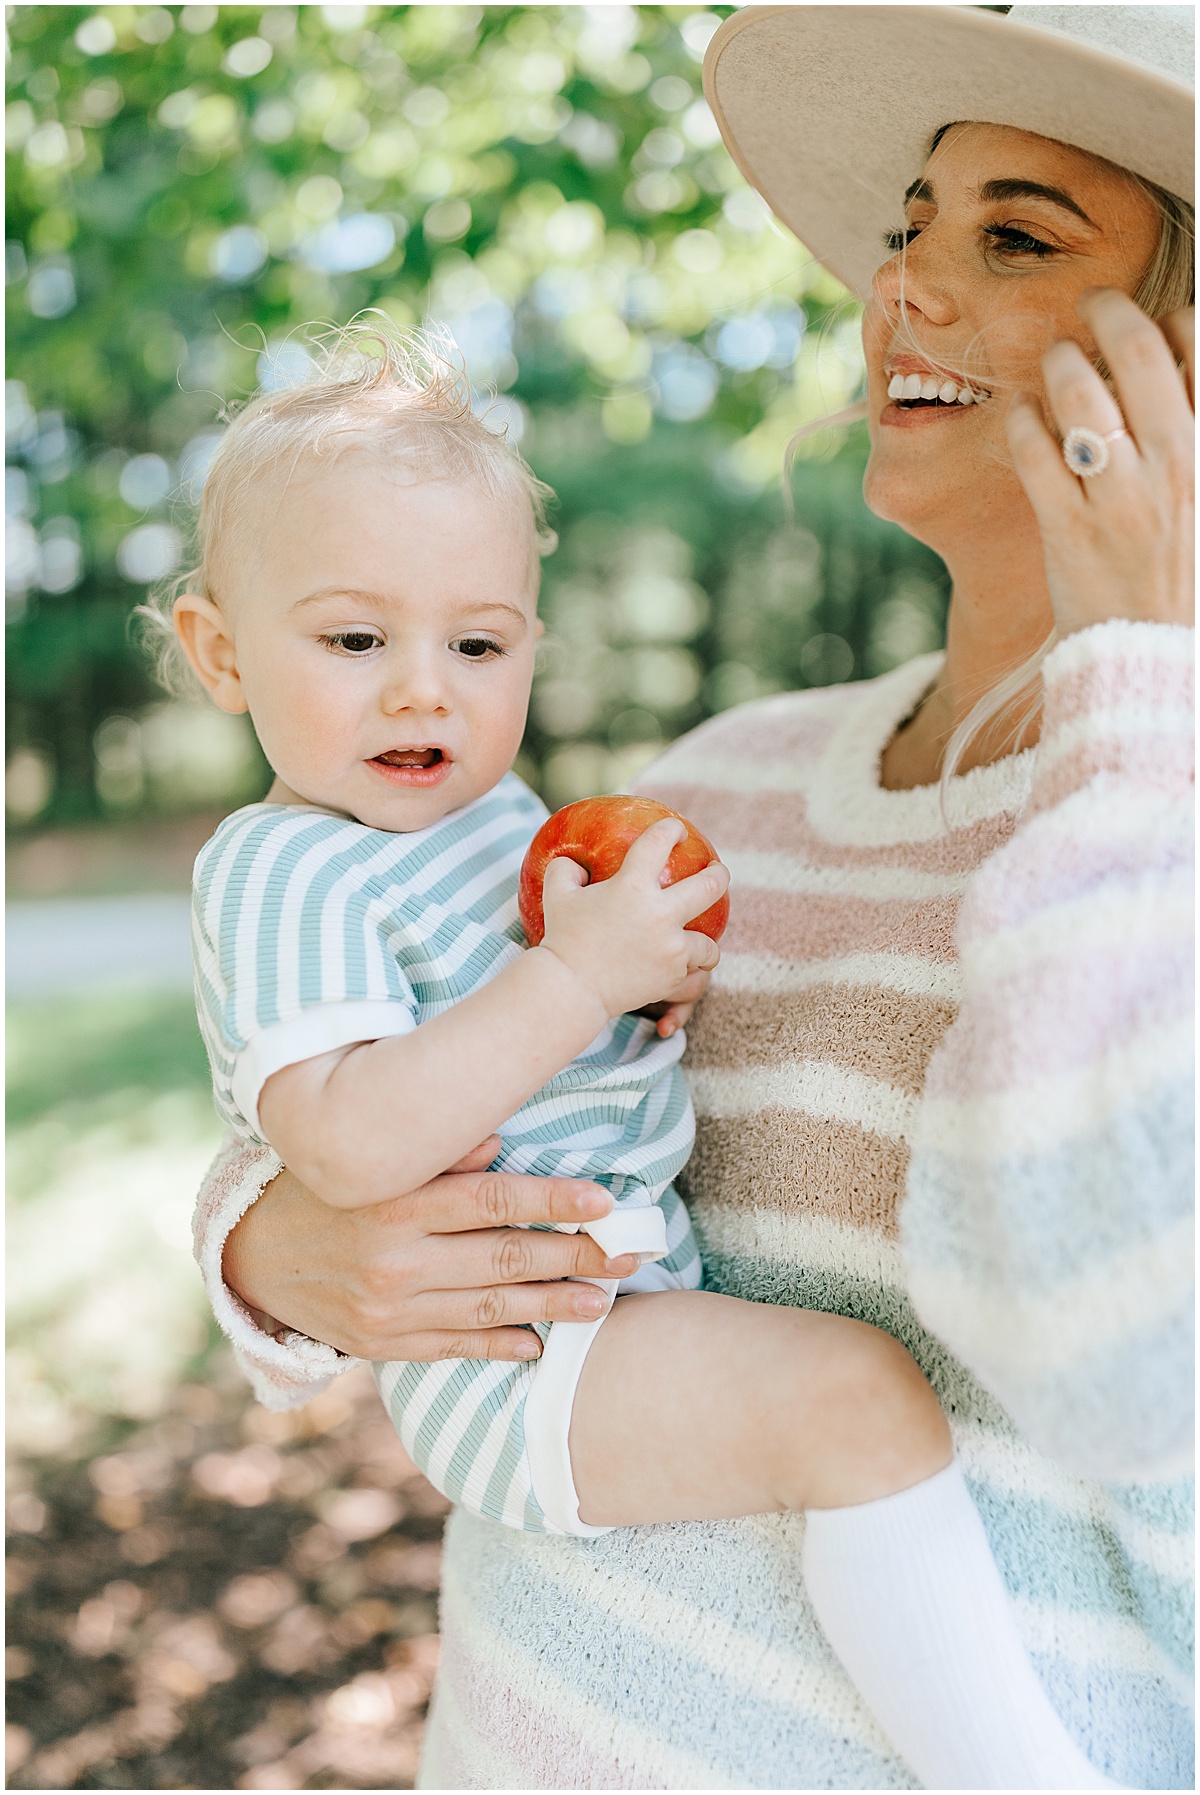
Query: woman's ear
{"points": [[208, 645]]}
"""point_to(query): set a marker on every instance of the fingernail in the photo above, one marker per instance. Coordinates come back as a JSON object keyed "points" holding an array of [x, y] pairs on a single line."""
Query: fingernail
{"points": [[590, 1305], [528, 1350], [666, 1030], [591, 1203], [621, 1267]]}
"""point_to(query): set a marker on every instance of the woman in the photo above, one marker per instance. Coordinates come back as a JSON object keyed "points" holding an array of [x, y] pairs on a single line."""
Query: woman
{"points": [[974, 994]]}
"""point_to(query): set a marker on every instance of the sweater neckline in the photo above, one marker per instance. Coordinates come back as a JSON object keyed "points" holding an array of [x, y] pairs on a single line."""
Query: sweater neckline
{"points": [[849, 805]]}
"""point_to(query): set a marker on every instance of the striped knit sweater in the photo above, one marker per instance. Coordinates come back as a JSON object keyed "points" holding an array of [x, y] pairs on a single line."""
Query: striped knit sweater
{"points": [[992, 1016]]}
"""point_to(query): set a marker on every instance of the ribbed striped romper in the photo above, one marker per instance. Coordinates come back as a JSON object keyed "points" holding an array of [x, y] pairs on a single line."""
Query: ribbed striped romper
{"points": [[311, 932]]}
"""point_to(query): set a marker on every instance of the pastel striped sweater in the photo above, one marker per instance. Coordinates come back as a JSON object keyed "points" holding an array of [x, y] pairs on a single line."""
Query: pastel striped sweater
{"points": [[992, 1016]]}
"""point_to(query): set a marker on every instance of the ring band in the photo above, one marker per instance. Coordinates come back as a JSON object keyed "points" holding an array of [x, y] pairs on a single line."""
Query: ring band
{"points": [[1086, 451]]}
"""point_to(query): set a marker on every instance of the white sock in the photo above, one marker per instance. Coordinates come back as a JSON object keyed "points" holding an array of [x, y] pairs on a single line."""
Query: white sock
{"points": [[913, 1604]]}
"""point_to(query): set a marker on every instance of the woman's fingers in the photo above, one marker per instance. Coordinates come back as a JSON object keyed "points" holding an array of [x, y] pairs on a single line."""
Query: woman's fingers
{"points": [[1180, 331], [507, 1305], [1038, 459], [1150, 392], [497, 1343], [457, 1202]]}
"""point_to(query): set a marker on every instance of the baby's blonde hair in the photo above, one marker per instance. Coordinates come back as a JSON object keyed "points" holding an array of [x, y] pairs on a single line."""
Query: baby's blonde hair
{"points": [[371, 388]]}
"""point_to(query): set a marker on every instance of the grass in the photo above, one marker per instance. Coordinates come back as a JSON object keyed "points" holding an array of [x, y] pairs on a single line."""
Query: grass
{"points": [[70, 1052]]}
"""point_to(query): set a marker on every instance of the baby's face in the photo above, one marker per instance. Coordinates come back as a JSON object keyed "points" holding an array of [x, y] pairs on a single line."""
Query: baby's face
{"points": [[384, 635]]}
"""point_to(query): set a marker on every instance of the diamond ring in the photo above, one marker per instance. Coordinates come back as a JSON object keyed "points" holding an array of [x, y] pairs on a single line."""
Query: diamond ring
{"points": [[1086, 451]]}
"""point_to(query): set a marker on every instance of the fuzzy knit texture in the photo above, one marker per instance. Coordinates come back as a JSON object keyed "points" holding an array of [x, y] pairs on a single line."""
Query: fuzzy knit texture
{"points": [[988, 1010]]}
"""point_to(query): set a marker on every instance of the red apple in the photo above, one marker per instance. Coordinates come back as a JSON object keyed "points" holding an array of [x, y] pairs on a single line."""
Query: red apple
{"points": [[598, 833]]}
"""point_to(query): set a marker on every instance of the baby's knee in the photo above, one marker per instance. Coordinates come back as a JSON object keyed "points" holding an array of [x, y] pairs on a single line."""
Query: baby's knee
{"points": [[901, 1421]]}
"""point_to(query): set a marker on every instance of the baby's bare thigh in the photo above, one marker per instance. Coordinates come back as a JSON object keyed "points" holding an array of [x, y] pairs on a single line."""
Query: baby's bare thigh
{"points": [[694, 1406]]}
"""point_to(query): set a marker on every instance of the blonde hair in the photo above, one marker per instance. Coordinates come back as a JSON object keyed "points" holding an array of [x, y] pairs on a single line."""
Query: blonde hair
{"points": [[371, 388]]}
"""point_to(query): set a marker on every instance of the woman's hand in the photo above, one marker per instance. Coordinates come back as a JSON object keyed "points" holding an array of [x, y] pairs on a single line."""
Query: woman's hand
{"points": [[443, 1273], [1119, 544]]}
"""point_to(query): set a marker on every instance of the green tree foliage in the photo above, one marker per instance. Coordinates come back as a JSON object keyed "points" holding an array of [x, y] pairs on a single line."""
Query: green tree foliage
{"points": [[189, 186]]}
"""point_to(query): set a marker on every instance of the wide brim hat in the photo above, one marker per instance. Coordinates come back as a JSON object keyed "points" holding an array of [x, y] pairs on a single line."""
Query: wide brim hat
{"points": [[829, 110]]}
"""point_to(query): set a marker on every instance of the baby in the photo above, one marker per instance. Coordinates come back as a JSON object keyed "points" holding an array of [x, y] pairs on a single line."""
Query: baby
{"points": [[367, 590]]}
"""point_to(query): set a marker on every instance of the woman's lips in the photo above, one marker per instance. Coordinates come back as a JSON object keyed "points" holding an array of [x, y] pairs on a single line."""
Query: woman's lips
{"points": [[919, 417], [413, 767]]}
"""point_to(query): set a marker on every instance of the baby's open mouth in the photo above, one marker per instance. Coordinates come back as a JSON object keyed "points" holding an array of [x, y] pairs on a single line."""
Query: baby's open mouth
{"points": [[411, 757]]}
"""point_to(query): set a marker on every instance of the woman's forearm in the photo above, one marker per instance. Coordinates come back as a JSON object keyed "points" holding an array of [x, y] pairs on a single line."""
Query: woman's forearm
{"points": [[1047, 1226], [244, 1189], [379, 1120]]}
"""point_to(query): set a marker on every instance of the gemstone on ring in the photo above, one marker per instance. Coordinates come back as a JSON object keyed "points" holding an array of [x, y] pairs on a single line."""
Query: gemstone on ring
{"points": [[1086, 451]]}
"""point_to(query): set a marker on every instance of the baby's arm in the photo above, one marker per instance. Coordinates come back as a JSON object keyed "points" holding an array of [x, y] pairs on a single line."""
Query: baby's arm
{"points": [[369, 1122]]}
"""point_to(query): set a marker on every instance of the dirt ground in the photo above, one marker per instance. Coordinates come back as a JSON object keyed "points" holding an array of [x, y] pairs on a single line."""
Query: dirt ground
{"points": [[224, 1599]]}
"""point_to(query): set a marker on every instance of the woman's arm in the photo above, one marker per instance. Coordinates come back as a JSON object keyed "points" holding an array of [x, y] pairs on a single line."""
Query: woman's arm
{"points": [[443, 1273], [1047, 1228]]}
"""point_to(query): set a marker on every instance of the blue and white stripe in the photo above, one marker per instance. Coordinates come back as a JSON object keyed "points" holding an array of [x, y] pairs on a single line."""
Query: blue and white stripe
{"points": [[301, 918]]}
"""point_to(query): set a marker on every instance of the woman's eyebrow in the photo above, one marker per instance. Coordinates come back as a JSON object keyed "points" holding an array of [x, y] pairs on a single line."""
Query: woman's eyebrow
{"points": [[994, 190], [1007, 189]]}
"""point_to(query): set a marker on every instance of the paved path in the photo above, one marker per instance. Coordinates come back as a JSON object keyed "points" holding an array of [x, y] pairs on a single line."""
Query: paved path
{"points": [[65, 945]]}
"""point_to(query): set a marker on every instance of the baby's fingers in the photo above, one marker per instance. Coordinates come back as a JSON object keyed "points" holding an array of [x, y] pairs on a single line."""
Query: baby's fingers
{"points": [[692, 897], [562, 875], [703, 952], [647, 857]]}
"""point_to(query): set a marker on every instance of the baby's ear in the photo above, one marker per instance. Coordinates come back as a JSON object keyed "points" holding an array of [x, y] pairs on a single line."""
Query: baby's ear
{"points": [[539, 628], [208, 644]]}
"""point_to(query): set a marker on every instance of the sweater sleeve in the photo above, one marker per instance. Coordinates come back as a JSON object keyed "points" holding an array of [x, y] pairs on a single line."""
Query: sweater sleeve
{"points": [[1047, 1227], [285, 1369]]}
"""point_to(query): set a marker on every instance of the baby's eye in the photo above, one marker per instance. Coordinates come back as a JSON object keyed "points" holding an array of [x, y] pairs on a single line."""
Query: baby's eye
{"points": [[352, 641], [476, 648]]}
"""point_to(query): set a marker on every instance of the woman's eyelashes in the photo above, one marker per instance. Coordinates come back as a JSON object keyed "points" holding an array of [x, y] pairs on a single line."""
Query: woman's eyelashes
{"points": [[1019, 242], [1009, 238]]}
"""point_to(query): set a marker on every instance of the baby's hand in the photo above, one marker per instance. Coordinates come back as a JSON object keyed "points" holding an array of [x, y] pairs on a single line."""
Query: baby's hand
{"points": [[626, 939], [675, 1011]]}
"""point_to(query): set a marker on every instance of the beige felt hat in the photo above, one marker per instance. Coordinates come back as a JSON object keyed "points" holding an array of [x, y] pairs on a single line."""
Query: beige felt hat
{"points": [[829, 110]]}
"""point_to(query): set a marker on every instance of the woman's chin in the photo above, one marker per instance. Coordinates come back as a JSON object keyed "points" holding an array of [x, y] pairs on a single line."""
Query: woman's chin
{"points": [[906, 496]]}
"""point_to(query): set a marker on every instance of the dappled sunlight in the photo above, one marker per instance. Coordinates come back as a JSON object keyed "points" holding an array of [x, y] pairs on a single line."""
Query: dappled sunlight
{"points": [[202, 1594]]}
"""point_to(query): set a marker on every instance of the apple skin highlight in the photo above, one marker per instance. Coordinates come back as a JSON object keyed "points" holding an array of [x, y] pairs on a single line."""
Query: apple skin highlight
{"points": [[597, 833]]}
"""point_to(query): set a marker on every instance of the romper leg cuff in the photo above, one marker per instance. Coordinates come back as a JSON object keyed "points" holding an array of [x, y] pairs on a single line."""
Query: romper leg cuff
{"points": [[547, 1421]]}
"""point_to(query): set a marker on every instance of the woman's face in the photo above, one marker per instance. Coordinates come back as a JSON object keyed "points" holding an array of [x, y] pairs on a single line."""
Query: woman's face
{"points": [[1005, 231]]}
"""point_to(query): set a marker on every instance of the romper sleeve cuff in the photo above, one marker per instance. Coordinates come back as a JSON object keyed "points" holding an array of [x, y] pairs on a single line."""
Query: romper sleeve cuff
{"points": [[322, 1029], [285, 1369]]}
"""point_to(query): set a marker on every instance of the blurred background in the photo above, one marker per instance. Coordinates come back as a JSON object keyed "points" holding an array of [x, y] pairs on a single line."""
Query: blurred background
{"points": [[204, 1596]]}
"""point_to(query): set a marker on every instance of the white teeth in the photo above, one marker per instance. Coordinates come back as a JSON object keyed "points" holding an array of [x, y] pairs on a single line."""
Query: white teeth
{"points": [[927, 386]]}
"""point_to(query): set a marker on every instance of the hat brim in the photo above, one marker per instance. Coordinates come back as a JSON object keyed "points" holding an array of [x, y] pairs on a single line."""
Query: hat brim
{"points": [[829, 110]]}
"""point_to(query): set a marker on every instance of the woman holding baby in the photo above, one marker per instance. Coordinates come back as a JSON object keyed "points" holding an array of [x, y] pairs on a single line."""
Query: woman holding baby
{"points": [[940, 1073]]}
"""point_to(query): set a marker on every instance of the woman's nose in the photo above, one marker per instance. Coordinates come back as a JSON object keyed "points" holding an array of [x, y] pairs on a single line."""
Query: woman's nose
{"points": [[917, 281]]}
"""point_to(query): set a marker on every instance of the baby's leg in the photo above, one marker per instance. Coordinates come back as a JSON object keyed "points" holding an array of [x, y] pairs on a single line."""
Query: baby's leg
{"points": [[692, 1406]]}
